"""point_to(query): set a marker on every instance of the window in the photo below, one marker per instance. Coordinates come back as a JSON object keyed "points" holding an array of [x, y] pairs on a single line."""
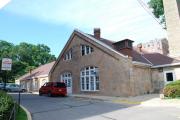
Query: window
{"points": [[85, 50], [60, 85], [89, 79], [68, 55], [129, 44], [169, 76]]}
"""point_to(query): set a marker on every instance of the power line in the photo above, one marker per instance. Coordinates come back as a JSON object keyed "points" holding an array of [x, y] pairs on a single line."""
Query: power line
{"points": [[146, 8]]}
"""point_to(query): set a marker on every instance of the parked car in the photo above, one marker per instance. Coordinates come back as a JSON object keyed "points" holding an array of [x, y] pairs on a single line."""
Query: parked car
{"points": [[53, 88], [1, 86], [11, 87]]}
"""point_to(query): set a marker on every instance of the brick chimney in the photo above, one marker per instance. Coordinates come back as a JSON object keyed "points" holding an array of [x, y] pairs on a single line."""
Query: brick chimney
{"points": [[139, 46], [97, 33], [124, 46]]}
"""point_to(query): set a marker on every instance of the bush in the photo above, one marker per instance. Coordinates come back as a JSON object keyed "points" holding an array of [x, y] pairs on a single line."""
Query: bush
{"points": [[172, 90], [6, 104]]}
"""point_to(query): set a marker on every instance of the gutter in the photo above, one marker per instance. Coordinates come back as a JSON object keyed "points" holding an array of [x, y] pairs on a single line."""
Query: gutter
{"points": [[141, 64], [165, 65], [157, 66]]}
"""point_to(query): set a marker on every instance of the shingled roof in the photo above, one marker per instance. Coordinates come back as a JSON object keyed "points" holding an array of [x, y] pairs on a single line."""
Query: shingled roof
{"points": [[42, 70], [153, 59]]}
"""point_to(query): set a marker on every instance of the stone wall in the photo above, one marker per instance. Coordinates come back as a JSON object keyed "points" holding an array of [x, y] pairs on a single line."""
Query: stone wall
{"points": [[141, 80], [157, 80]]}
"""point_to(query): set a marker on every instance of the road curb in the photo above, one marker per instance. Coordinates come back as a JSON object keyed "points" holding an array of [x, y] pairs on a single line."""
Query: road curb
{"points": [[27, 112]]}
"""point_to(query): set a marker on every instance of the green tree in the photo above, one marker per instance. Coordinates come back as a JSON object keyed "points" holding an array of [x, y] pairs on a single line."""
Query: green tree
{"points": [[25, 57], [5, 52], [158, 10]]}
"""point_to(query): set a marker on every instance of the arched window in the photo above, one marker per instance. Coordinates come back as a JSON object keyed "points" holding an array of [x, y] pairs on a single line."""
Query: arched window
{"points": [[89, 79], [85, 50]]}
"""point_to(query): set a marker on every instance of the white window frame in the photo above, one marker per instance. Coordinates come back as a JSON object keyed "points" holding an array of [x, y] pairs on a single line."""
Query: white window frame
{"points": [[165, 78], [88, 86], [87, 49], [65, 77], [68, 55]]}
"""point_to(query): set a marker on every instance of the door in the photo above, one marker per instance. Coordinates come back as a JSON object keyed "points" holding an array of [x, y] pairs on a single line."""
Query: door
{"points": [[28, 86], [67, 79]]}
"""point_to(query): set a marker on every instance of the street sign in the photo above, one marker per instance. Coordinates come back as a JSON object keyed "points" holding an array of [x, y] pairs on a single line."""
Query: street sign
{"points": [[6, 64]]}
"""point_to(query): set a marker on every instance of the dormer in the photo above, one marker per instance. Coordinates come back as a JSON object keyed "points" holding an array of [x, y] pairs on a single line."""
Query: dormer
{"points": [[124, 46]]}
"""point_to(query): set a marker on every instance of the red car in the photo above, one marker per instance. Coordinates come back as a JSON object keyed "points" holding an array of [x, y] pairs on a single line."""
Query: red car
{"points": [[53, 88]]}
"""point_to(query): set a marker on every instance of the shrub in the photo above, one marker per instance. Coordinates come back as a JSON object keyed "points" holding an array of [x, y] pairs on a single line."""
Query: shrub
{"points": [[6, 104], [172, 89]]}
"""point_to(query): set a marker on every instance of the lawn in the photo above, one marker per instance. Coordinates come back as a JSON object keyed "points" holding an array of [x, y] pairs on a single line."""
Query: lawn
{"points": [[21, 115]]}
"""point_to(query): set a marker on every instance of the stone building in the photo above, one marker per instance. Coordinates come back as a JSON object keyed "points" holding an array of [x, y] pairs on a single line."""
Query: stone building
{"points": [[90, 64]]}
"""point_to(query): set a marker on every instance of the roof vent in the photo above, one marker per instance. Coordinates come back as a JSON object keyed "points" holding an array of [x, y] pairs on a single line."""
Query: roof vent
{"points": [[126, 43], [124, 46]]}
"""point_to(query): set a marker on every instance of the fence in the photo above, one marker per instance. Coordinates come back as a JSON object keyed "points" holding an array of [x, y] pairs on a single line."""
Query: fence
{"points": [[9, 114]]}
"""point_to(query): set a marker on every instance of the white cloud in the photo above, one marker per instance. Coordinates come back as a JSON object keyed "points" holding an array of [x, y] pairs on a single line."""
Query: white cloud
{"points": [[3, 3], [118, 19]]}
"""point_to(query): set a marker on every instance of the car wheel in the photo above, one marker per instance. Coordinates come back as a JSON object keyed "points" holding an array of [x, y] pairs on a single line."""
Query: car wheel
{"points": [[49, 94], [63, 96], [22, 90], [40, 94], [8, 90]]}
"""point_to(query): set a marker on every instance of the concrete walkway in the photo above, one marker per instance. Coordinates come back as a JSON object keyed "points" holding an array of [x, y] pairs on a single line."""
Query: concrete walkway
{"points": [[151, 100]]}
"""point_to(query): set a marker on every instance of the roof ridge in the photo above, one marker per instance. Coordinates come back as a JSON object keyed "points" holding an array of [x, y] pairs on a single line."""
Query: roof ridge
{"points": [[100, 42], [34, 71], [146, 59]]}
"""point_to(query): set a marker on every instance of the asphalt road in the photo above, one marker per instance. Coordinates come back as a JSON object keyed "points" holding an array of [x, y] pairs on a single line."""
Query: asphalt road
{"points": [[71, 108]]}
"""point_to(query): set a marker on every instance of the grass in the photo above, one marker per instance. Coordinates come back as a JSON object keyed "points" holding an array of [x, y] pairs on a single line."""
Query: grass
{"points": [[172, 98], [21, 115]]}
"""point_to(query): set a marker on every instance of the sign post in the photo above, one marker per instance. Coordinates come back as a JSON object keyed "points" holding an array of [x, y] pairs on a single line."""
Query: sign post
{"points": [[6, 66]]}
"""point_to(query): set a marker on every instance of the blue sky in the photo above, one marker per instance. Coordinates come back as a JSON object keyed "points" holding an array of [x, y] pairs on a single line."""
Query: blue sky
{"points": [[51, 22]]}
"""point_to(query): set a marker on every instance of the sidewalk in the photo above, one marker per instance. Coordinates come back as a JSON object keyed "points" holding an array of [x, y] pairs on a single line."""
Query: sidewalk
{"points": [[150, 100]]}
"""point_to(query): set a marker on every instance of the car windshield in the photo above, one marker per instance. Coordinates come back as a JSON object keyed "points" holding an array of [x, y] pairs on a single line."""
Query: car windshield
{"points": [[62, 85]]}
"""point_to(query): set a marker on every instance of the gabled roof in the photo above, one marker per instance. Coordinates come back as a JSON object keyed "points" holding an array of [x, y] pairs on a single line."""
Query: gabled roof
{"points": [[87, 37], [41, 71]]}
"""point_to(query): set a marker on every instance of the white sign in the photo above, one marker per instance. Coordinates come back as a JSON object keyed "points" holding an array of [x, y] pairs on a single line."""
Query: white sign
{"points": [[6, 64]]}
